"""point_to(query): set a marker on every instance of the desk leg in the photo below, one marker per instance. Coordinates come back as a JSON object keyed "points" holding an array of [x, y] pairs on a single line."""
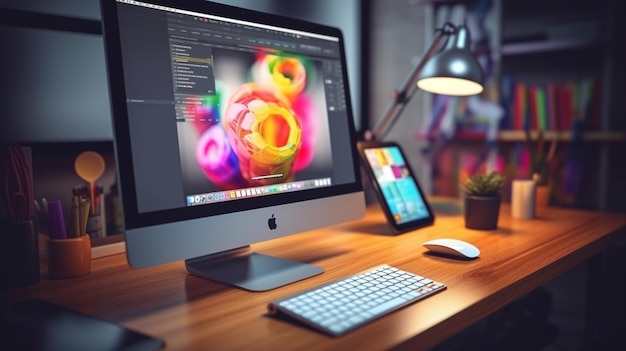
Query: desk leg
{"points": [[606, 300]]}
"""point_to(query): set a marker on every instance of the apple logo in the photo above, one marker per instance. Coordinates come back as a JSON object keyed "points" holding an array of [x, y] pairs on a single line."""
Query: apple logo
{"points": [[271, 222]]}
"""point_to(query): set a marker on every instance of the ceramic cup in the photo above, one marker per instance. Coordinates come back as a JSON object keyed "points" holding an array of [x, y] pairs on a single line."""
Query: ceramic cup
{"points": [[523, 198]]}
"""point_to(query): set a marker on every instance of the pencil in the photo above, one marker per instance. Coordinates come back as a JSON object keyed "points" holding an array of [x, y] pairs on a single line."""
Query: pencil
{"points": [[44, 205], [76, 216], [84, 215]]}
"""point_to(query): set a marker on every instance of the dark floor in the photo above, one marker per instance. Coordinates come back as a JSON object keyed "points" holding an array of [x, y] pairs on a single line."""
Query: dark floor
{"points": [[583, 309]]}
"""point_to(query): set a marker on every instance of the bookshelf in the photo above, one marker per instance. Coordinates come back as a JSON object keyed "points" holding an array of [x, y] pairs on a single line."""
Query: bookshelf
{"points": [[547, 46], [571, 46], [564, 136], [511, 136], [563, 44]]}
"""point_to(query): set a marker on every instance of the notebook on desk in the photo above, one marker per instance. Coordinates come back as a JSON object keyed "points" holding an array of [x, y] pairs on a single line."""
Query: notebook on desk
{"points": [[40, 325]]}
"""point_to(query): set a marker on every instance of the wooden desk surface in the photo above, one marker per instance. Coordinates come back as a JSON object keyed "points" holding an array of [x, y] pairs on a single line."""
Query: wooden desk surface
{"points": [[192, 313]]}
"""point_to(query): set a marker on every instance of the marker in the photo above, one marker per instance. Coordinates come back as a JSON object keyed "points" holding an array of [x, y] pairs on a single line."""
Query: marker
{"points": [[56, 223]]}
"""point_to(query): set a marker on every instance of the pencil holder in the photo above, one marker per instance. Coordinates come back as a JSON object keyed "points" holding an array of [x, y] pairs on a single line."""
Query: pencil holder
{"points": [[19, 254], [68, 258]]}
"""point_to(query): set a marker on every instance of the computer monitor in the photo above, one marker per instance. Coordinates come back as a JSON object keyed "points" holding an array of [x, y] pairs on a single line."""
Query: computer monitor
{"points": [[231, 127]]}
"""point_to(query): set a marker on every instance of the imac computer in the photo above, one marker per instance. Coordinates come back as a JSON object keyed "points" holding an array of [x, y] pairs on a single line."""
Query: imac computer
{"points": [[231, 127]]}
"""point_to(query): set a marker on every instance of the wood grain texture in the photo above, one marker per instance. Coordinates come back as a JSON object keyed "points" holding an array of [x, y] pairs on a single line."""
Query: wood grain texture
{"points": [[192, 313]]}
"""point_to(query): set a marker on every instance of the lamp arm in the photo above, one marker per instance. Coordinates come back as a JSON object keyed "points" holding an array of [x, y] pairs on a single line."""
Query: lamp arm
{"points": [[408, 88]]}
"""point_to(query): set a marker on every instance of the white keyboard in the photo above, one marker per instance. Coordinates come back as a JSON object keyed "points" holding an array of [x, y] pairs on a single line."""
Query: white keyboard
{"points": [[345, 304]]}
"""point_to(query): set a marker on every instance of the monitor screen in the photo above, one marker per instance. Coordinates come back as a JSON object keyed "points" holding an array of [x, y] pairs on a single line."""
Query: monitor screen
{"points": [[231, 127]]}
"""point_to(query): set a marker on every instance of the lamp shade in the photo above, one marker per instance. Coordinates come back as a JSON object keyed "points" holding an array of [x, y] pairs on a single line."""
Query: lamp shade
{"points": [[454, 70]]}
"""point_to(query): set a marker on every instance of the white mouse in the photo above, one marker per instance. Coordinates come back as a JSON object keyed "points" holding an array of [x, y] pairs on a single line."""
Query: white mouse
{"points": [[452, 247]]}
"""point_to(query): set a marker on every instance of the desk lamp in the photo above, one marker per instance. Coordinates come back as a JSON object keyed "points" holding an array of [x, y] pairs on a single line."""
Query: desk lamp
{"points": [[451, 71]]}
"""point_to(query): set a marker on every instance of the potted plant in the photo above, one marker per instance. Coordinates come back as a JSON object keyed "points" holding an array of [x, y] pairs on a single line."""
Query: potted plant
{"points": [[540, 165], [481, 201]]}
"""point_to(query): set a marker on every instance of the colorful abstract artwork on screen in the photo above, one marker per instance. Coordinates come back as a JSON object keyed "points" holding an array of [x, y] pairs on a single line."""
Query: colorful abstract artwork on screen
{"points": [[259, 129]]}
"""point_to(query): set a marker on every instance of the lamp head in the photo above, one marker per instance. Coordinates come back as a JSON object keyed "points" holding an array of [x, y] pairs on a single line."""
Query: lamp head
{"points": [[454, 70]]}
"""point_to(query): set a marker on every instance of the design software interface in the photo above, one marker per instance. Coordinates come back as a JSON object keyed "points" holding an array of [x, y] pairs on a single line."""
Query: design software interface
{"points": [[252, 109]]}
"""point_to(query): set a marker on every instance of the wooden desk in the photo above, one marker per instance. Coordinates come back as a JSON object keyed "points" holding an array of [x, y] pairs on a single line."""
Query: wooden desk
{"points": [[192, 313]]}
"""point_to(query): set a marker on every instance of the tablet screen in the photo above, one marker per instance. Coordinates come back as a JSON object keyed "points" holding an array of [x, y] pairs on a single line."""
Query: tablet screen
{"points": [[398, 190]]}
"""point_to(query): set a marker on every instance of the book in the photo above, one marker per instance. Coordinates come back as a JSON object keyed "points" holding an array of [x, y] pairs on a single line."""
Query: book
{"points": [[551, 106], [540, 105], [533, 109], [519, 106]]}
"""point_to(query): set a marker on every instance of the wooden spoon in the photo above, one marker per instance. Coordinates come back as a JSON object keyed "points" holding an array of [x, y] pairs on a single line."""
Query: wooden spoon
{"points": [[89, 165]]}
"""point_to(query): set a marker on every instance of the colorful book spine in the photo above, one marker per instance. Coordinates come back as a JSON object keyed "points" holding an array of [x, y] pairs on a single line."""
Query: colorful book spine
{"points": [[540, 101], [552, 105], [533, 108], [520, 106]]}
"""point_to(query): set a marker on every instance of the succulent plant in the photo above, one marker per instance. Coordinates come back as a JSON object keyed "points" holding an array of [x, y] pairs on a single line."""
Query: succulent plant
{"points": [[483, 184]]}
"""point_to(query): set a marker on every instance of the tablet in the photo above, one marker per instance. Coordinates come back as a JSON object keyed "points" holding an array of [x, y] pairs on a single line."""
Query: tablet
{"points": [[397, 189], [40, 325]]}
